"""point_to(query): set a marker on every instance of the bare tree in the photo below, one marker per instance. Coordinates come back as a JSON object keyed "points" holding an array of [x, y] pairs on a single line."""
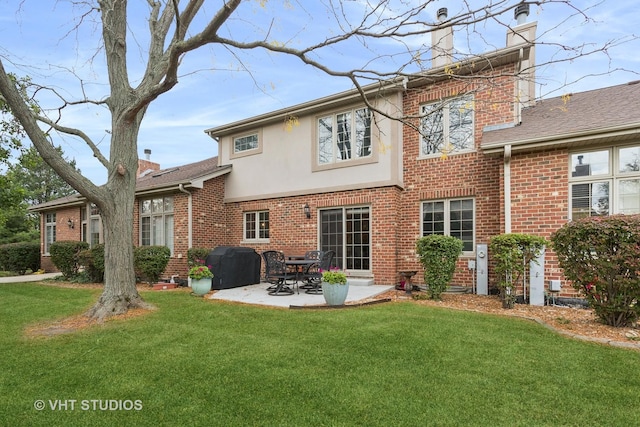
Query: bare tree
{"points": [[178, 28]]}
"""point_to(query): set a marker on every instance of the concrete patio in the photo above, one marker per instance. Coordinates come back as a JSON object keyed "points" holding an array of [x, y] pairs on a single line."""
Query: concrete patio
{"points": [[257, 294]]}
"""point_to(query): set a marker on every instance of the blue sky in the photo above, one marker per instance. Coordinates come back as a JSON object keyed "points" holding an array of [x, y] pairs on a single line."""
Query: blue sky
{"points": [[37, 39]]}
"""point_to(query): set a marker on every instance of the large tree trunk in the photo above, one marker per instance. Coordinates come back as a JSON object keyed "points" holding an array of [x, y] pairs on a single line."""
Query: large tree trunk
{"points": [[120, 293]]}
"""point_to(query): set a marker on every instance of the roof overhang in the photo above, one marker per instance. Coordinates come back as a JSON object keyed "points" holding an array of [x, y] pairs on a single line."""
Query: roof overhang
{"points": [[621, 133], [472, 65]]}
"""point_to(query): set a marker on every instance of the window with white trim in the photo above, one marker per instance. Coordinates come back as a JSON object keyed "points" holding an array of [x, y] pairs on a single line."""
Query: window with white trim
{"points": [[91, 224], [49, 231], [156, 222], [455, 217], [256, 225], [344, 136], [245, 143], [447, 126], [605, 182]]}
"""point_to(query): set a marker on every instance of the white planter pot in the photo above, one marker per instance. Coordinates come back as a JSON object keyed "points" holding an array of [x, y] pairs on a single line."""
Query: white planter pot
{"points": [[335, 294], [200, 286]]}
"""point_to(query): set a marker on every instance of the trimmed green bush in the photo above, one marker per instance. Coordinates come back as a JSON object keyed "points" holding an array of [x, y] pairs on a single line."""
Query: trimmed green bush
{"points": [[438, 255], [150, 262], [65, 256], [20, 257], [600, 255], [511, 254], [93, 262]]}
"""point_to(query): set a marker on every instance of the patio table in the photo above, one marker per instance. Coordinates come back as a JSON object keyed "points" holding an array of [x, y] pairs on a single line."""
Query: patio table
{"points": [[300, 266]]}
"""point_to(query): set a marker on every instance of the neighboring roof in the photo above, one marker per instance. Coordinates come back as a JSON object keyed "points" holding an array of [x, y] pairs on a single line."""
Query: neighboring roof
{"points": [[590, 117], [192, 175]]}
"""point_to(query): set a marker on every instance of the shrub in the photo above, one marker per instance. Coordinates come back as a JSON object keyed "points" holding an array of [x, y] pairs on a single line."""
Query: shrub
{"points": [[65, 256], [93, 262], [151, 261], [600, 256], [512, 254], [438, 255], [196, 256], [20, 257]]}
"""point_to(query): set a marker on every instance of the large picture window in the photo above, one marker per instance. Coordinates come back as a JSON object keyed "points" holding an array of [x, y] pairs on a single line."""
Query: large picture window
{"points": [[347, 232], [256, 225], [605, 182], [454, 218], [447, 127], [49, 231], [156, 222], [344, 136]]}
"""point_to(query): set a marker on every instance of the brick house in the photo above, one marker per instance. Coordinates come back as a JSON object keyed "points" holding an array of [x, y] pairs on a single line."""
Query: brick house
{"points": [[334, 174]]}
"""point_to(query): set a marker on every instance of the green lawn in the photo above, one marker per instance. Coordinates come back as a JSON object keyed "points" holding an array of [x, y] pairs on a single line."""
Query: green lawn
{"points": [[196, 362]]}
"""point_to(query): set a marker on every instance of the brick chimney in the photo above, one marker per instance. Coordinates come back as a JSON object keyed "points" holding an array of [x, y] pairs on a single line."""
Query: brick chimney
{"points": [[146, 166], [442, 42]]}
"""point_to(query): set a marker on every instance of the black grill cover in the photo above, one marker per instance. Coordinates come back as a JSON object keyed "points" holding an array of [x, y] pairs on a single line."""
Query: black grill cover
{"points": [[233, 266]]}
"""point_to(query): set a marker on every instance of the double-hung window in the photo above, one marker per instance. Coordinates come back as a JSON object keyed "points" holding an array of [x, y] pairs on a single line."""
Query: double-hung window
{"points": [[256, 225], [49, 231], [447, 126], [454, 218], [605, 182], [156, 222], [344, 136]]}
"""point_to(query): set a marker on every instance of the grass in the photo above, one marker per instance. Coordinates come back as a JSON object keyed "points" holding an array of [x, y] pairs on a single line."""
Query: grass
{"points": [[196, 362]]}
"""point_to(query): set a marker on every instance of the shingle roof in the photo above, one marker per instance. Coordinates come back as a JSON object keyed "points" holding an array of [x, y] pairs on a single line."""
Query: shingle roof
{"points": [[188, 175], [598, 110], [184, 174]]}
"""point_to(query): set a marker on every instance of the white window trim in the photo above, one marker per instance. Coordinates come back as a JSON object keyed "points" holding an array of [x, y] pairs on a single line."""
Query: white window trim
{"points": [[47, 226], [232, 146], [163, 215], [613, 177], [445, 106], [257, 239], [447, 219], [335, 164]]}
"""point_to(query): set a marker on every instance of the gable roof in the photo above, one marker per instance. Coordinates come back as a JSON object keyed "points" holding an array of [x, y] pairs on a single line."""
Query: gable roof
{"points": [[595, 116], [192, 175]]}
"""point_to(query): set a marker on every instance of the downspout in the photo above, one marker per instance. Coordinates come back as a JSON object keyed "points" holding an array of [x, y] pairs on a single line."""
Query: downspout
{"points": [[507, 188], [189, 215]]}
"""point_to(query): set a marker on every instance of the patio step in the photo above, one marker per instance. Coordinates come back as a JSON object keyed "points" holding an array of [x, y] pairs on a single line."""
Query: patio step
{"points": [[360, 281]]}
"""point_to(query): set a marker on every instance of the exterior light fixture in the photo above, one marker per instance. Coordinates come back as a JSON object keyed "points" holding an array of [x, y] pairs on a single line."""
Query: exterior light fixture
{"points": [[307, 210], [70, 223]]}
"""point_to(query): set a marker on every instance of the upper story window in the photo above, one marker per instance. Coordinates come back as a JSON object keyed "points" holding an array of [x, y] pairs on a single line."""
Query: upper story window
{"points": [[156, 222], [344, 136], [454, 217], [605, 182], [49, 231], [256, 225], [244, 143], [447, 127]]}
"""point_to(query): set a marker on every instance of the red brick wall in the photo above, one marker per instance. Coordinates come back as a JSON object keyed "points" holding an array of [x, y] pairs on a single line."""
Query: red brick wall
{"points": [[459, 175], [63, 232], [290, 231], [540, 201]]}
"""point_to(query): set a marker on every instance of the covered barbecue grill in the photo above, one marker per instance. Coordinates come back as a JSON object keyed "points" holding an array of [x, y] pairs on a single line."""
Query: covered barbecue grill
{"points": [[233, 266]]}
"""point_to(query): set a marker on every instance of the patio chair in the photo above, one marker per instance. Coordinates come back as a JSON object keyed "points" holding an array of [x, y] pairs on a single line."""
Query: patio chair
{"points": [[275, 272], [314, 273], [311, 255]]}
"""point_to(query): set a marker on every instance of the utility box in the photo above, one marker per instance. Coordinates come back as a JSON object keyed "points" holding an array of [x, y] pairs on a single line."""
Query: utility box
{"points": [[555, 285], [482, 269], [536, 280]]}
